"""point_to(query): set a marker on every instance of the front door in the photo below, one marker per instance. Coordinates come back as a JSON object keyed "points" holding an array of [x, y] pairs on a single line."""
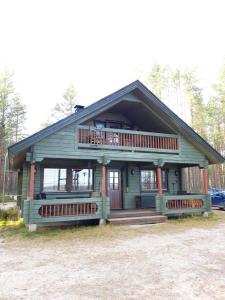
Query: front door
{"points": [[114, 188]]}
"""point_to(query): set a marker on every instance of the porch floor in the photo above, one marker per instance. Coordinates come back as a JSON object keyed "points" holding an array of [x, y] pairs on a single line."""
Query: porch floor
{"points": [[135, 216]]}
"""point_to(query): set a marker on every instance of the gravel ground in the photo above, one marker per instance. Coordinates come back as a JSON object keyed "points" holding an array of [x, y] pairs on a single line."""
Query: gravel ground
{"points": [[184, 265]]}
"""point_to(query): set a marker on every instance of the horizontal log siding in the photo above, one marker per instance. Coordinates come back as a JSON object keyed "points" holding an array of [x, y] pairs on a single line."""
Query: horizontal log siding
{"points": [[25, 182], [37, 181], [173, 188], [63, 145], [97, 178], [133, 187]]}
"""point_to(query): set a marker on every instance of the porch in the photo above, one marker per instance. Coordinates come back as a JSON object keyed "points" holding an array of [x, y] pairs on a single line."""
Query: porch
{"points": [[119, 193], [64, 210]]}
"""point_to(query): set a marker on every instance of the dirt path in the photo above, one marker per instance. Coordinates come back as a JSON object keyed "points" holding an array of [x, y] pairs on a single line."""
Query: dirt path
{"points": [[188, 265]]}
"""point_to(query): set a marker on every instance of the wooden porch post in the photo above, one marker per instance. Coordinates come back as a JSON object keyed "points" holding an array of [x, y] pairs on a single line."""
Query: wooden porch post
{"points": [[31, 182], [103, 194], [159, 180], [103, 191], [205, 180], [69, 179]]}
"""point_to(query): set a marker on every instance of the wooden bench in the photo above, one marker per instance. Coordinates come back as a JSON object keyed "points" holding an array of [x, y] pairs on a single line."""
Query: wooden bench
{"points": [[64, 195]]}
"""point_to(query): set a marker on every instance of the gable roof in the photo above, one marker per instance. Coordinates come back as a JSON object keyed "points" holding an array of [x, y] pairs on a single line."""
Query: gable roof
{"points": [[212, 155]]}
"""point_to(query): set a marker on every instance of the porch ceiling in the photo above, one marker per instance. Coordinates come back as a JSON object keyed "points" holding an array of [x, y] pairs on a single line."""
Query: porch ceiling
{"points": [[137, 113]]}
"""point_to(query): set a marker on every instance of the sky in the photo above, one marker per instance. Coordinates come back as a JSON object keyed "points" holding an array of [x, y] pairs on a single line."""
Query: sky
{"points": [[100, 46]]}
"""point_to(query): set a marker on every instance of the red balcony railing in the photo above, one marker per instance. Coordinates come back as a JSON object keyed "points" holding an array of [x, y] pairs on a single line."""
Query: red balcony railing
{"points": [[126, 139]]}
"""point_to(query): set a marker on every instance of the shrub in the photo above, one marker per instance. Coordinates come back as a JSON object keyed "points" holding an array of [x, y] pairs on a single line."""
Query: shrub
{"points": [[10, 214], [7, 198]]}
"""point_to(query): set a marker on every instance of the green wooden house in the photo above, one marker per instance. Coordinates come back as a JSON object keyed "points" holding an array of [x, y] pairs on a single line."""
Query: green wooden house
{"points": [[117, 160]]}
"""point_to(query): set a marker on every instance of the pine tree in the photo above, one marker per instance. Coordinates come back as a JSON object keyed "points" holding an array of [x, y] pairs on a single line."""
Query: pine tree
{"points": [[157, 80], [17, 119], [12, 118], [194, 97], [63, 108]]}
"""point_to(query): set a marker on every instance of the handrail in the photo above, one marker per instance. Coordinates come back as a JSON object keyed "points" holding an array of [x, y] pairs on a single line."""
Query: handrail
{"points": [[128, 131], [89, 136], [182, 203]]}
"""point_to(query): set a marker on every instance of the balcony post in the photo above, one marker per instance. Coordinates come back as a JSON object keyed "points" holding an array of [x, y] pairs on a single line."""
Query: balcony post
{"points": [[205, 180], [159, 180]]}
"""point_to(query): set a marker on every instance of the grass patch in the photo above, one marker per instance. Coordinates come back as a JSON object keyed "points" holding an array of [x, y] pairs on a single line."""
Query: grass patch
{"points": [[12, 230]]}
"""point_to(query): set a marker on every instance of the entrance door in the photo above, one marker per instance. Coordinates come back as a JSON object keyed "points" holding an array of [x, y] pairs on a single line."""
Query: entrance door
{"points": [[114, 188]]}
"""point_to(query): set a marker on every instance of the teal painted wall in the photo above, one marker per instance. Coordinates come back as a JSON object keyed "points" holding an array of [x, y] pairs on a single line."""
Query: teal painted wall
{"points": [[37, 180], [97, 178], [133, 187], [25, 182], [60, 144]]}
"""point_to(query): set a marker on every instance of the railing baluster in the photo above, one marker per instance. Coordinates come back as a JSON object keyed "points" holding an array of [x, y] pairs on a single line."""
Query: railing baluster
{"points": [[126, 139], [184, 204]]}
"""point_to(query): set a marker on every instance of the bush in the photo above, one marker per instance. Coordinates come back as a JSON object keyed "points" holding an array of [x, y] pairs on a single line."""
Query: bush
{"points": [[7, 198], [10, 214]]}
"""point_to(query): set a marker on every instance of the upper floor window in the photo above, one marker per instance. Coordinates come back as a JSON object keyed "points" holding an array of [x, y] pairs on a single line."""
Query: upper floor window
{"points": [[149, 182], [99, 124]]}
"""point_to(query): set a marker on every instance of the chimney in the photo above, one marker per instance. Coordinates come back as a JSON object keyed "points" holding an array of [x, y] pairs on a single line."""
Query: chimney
{"points": [[78, 108]]}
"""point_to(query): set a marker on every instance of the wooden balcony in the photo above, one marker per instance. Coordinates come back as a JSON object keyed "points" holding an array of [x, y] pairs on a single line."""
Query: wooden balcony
{"points": [[127, 140]]}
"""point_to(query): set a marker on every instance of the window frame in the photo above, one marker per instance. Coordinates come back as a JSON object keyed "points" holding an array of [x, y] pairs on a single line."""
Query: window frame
{"points": [[67, 179], [91, 183], [154, 190], [99, 122], [58, 181]]}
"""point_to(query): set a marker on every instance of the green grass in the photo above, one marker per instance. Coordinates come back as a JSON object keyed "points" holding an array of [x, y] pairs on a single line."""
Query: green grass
{"points": [[12, 230]]}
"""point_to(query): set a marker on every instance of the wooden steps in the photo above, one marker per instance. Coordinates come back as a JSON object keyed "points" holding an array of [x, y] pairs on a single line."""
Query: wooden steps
{"points": [[142, 216]]}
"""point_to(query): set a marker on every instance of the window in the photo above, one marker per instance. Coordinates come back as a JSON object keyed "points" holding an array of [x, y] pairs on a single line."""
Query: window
{"points": [[114, 180], [99, 124], [82, 179], [54, 180], [149, 182]]}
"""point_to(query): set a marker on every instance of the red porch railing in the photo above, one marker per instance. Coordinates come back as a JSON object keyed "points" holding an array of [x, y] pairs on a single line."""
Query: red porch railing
{"points": [[123, 138], [184, 204], [67, 210]]}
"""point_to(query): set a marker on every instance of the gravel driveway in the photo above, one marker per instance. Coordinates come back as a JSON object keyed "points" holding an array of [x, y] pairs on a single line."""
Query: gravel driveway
{"points": [[140, 265]]}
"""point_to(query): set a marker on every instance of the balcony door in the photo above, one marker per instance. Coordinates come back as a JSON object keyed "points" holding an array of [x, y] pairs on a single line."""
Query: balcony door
{"points": [[113, 137], [115, 188]]}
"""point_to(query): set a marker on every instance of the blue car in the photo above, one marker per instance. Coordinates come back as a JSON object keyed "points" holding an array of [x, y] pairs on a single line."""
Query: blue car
{"points": [[218, 200]]}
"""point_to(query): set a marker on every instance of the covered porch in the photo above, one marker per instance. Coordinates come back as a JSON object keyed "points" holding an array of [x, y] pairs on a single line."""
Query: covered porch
{"points": [[94, 189]]}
